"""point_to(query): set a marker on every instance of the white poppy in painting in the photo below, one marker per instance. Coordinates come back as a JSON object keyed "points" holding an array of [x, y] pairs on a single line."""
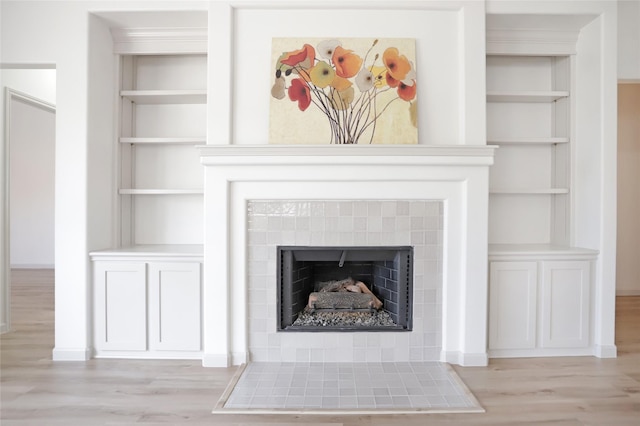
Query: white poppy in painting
{"points": [[364, 80], [327, 47]]}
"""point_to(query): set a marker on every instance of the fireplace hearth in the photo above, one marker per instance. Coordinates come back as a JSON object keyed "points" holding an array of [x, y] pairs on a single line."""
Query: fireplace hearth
{"points": [[370, 288]]}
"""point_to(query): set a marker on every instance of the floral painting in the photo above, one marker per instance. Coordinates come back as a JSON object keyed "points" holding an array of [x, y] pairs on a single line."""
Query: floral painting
{"points": [[343, 91]]}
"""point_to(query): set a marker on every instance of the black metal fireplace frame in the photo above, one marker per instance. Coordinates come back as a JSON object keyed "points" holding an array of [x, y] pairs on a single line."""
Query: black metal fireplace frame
{"points": [[401, 256]]}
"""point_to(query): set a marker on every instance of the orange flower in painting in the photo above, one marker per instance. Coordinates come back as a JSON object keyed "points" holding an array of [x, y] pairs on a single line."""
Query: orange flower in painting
{"points": [[299, 91], [407, 92], [304, 57], [397, 65], [346, 62], [340, 83]]}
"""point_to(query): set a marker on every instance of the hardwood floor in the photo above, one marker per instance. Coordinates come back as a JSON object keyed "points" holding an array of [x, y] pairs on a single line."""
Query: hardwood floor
{"points": [[37, 391]]}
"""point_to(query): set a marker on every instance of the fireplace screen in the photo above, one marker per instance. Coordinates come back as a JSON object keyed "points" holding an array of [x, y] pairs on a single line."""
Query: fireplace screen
{"points": [[345, 288]]}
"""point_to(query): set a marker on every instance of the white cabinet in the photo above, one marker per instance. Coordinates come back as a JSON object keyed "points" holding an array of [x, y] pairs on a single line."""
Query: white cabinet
{"points": [[120, 306], [174, 306], [566, 296], [540, 307], [513, 302], [147, 305]]}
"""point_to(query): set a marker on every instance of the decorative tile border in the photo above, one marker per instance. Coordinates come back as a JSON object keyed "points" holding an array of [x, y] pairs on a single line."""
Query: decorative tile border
{"points": [[345, 223]]}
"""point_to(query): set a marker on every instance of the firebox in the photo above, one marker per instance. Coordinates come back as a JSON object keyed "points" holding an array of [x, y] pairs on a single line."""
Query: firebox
{"points": [[345, 288]]}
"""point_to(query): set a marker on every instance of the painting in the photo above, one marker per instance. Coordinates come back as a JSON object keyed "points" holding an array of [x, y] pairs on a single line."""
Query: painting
{"points": [[343, 91]]}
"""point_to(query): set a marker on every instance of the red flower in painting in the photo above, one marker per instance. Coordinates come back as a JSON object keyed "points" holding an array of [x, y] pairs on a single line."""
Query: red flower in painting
{"points": [[299, 91], [407, 92], [304, 57], [391, 82]]}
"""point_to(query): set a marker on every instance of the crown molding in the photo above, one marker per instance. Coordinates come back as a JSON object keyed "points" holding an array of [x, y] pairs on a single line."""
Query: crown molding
{"points": [[516, 41], [141, 41]]}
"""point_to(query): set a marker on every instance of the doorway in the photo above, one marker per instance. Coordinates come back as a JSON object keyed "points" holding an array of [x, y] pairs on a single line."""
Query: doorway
{"points": [[628, 241], [28, 164]]}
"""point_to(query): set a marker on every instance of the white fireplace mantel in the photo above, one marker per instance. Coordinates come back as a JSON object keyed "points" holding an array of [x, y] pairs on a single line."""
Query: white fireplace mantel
{"points": [[345, 154], [456, 175]]}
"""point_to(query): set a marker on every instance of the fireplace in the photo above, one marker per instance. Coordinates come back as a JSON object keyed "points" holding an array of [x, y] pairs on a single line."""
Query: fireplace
{"points": [[305, 273], [431, 198]]}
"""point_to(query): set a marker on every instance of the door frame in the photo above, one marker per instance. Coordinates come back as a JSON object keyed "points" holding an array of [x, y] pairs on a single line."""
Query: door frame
{"points": [[10, 95]]}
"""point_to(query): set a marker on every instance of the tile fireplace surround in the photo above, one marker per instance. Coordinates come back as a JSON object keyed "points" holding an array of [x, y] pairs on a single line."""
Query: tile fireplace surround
{"points": [[433, 198]]}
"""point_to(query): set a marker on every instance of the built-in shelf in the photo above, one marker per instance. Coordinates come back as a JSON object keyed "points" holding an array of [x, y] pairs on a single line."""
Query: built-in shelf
{"points": [[150, 250], [164, 141], [526, 96], [130, 191], [150, 97], [537, 251], [530, 191], [527, 141]]}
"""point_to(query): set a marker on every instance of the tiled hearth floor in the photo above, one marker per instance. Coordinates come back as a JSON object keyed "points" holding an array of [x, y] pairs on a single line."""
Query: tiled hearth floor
{"points": [[351, 387]]}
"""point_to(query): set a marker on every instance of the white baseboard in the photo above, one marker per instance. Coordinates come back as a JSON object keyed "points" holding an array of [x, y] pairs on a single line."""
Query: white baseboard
{"points": [[465, 359], [216, 360], [239, 358], [33, 266], [71, 354], [607, 351], [628, 292]]}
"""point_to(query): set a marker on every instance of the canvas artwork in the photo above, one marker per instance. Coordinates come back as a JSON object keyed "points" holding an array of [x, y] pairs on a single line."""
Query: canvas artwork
{"points": [[343, 91]]}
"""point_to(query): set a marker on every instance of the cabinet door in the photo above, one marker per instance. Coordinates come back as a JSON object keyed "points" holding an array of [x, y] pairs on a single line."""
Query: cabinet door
{"points": [[512, 305], [120, 296], [566, 298], [174, 306]]}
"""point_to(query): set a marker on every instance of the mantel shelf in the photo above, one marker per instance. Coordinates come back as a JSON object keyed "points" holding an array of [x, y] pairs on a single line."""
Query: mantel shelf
{"points": [[526, 96], [152, 97], [267, 154]]}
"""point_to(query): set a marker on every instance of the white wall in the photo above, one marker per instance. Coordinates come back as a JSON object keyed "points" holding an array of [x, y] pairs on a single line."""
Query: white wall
{"points": [[629, 39], [450, 68]]}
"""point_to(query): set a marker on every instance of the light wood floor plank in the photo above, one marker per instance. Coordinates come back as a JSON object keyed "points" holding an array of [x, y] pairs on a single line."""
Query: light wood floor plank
{"points": [[36, 391]]}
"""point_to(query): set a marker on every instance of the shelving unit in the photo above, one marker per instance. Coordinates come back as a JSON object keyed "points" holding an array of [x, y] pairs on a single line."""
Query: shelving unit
{"points": [[539, 285], [148, 289], [163, 107], [529, 108]]}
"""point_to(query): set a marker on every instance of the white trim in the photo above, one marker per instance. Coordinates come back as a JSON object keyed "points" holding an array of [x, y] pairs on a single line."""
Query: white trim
{"points": [[607, 351], [465, 359], [71, 354], [346, 154], [216, 360], [140, 41], [32, 266], [515, 41]]}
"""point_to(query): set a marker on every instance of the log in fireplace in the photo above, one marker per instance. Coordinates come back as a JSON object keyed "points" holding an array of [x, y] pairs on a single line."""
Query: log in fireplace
{"points": [[309, 280]]}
